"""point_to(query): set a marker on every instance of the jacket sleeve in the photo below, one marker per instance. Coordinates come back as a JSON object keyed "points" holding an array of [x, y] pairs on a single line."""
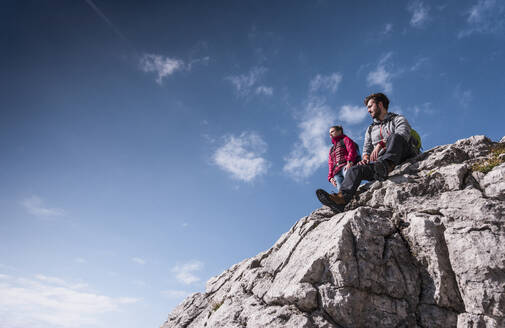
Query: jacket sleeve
{"points": [[367, 145], [402, 127], [330, 166], [351, 150]]}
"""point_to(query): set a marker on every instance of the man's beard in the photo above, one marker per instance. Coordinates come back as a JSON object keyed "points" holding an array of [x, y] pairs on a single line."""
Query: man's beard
{"points": [[376, 114]]}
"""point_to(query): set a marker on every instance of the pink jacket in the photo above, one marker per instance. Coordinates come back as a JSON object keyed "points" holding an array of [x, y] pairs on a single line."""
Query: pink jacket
{"points": [[339, 156]]}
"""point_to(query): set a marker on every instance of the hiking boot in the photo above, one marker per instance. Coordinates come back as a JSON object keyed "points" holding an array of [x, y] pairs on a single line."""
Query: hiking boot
{"points": [[334, 201], [382, 169]]}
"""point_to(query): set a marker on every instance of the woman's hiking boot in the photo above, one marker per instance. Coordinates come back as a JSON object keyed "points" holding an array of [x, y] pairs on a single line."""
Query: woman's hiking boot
{"points": [[334, 201]]}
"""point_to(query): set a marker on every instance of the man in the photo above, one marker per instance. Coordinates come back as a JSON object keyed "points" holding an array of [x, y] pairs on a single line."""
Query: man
{"points": [[387, 144], [342, 156]]}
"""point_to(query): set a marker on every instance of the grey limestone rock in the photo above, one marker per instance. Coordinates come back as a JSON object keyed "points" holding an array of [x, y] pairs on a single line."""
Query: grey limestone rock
{"points": [[425, 248]]}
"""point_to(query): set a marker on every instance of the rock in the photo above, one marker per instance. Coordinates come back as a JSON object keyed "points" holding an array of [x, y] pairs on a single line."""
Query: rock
{"points": [[493, 183], [502, 139], [425, 248]]}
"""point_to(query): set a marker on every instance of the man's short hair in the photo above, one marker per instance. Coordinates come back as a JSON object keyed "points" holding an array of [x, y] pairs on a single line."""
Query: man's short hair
{"points": [[377, 98], [338, 128]]}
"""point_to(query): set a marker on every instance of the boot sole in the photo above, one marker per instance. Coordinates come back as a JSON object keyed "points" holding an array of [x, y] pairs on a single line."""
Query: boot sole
{"points": [[325, 199]]}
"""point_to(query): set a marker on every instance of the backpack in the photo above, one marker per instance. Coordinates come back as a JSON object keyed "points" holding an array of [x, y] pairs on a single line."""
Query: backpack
{"points": [[358, 155], [415, 138]]}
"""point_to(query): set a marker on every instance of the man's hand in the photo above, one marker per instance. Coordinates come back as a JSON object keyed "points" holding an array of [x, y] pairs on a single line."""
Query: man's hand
{"points": [[333, 182], [375, 152], [348, 166], [365, 160]]}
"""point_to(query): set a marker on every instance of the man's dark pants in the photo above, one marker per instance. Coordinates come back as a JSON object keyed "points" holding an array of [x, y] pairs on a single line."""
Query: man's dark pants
{"points": [[397, 151]]}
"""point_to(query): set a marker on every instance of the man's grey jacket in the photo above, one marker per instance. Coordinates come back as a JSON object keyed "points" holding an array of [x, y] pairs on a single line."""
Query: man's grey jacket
{"points": [[380, 131]]}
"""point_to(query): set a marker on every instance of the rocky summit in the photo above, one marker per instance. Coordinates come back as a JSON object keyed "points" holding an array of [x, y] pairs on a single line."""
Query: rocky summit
{"points": [[425, 248]]}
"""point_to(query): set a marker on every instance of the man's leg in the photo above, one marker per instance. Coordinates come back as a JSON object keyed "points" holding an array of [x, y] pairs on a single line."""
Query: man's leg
{"points": [[397, 149], [353, 178]]}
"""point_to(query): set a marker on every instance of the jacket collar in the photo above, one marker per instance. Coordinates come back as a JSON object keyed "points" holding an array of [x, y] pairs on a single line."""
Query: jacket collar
{"points": [[337, 139], [388, 114]]}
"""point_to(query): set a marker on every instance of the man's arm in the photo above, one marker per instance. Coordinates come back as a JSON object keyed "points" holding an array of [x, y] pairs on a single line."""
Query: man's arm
{"points": [[402, 127], [367, 146]]}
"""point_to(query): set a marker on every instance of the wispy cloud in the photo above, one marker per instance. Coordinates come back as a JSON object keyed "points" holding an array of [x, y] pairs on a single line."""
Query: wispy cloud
{"points": [[388, 29], [464, 97], [139, 260], [420, 13], [80, 260], [245, 84], [325, 82], [242, 156], [352, 114], [60, 282], [162, 66], [49, 301], [105, 19], [418, 64], [486, 16], [140, 283], [268, 91], [311, 150], [177, 294], [185, 273], [204, 61], [35, 206], [425, 109], [381, 76]]}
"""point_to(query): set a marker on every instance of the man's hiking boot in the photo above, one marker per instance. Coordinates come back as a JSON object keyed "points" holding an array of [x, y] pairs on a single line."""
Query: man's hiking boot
{"points": [[334, 201], [382, 169]]}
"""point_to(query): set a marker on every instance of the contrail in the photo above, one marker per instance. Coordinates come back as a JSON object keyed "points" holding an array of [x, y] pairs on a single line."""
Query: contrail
{"points": [[102, 15]]}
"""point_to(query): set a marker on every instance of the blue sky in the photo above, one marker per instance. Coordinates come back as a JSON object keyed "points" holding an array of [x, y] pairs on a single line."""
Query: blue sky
{"points": [[148, 146]]}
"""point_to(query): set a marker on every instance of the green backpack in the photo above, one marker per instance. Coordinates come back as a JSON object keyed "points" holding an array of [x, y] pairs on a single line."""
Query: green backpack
{"points": [[415, 138]]}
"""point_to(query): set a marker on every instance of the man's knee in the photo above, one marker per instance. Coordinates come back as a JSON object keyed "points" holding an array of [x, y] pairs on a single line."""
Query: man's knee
{"points": [[396, 138]]}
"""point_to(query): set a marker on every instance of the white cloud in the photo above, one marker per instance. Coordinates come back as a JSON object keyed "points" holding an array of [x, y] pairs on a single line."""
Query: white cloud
{"points": [[464, 97], [177, 294], [388, 29], [268, 91], [140, 283], [352, 114], [486, 16], [185, 272], [245, 84], [35, 206], [420, 13], [52, 302], [381, 77], [311, 151], [60, 282], [328, 82], [198, 61], [138, 260], [80, 260], [418, 64], [425, 109], [242, 156], [163, 66]]}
